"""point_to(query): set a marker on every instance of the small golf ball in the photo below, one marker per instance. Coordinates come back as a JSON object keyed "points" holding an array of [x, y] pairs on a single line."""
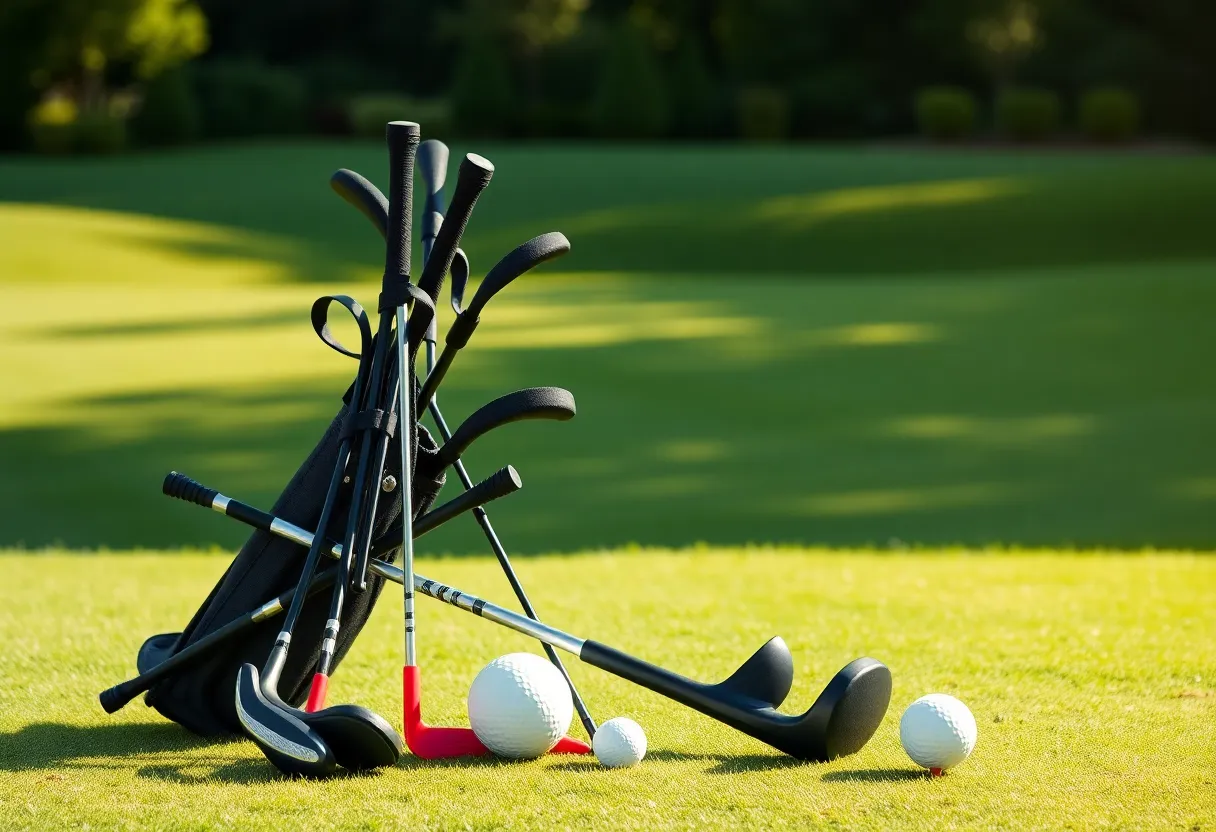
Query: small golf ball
{"points": [[619, 743], [937, 731], [520, 706]]}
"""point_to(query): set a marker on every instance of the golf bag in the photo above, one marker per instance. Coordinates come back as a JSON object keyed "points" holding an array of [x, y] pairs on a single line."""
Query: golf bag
{"points": [[200, 699]]}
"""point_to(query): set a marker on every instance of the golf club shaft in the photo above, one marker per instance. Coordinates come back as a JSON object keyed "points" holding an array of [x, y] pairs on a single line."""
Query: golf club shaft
{"points": [[504, 561], [116, 697]]}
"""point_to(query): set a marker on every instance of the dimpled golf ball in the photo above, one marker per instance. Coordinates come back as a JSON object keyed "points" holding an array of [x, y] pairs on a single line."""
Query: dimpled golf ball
{"points": [[937, 731], [619, 742], [520, 706]]}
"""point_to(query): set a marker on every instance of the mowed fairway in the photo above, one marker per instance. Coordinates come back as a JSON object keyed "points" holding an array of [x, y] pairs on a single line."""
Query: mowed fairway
{"points": [[799, 345], [1091, 677], [904, 355]]}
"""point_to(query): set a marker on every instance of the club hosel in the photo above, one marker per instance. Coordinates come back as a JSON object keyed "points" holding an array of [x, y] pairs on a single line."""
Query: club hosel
{"points": [[434, 378], [278, 658]]}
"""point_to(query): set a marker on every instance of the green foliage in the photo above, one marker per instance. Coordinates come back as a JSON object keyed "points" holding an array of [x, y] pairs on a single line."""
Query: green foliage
{"points": [[1109, 114], [945, 113], [370, 113], [169, 112], [630, 100], [482, 96], [694, 97], [764, 114], [247, 98], [1028, 114]]}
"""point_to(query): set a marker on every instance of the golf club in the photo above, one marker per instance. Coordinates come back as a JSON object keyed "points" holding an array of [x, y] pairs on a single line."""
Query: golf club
{"points": [[278, 729], [524, 258], [362, 194], [841, 720], [114, 698], [530, 403]]}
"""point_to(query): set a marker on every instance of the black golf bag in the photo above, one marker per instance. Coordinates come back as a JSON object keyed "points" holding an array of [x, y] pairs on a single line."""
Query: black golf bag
{"points": [[200, 699]]}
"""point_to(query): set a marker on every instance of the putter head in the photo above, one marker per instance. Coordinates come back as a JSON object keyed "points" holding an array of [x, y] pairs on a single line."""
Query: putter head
{"points": [[292, 746], [766, 677], [360, 739]]}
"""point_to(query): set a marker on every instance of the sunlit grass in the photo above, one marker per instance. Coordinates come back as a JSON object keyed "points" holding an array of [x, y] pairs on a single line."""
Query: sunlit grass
{"points": [[1090, 675]]}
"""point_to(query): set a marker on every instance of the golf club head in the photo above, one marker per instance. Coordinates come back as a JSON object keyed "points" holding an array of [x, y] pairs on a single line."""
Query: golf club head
{"points": [[292, 746], [766, 677], [842, 720], [521, 259], [362, 195], [553, 403], [359, 738]]}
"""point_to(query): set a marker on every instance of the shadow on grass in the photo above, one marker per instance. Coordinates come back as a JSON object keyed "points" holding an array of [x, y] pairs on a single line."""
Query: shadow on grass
{"points": [[723, 763], [49, 745], [875, 775]]}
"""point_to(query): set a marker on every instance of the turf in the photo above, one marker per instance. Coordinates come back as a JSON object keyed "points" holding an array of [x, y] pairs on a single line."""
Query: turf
{"points": [[840, 346], [1092, 677]]}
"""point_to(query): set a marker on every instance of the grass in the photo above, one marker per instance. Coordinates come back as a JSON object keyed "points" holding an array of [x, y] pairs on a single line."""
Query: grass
{"points": [[1092, 677], [834, 346]]}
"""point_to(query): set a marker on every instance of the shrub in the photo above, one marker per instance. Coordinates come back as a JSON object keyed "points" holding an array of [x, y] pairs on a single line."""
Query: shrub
{"points": [[245, 98], [764, 114], [99, 133], [482, 99], [51, 125], [369, 114], [1028, 114], [945, 113], [169, 112], [1109, 114], [693, 94], [630, 102]]}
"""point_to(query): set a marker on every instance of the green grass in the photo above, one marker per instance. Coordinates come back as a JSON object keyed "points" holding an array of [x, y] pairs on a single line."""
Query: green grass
{"points": [[1092, 678], [834, 346]]}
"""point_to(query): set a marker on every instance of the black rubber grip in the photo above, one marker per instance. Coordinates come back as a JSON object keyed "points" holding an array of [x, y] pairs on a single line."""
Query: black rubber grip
{"points": [[471, 180], [115, 698], [402, 147], [532, 403], [183, 488], [363, 195], [524, 258], [499, 484], [433, 168]]}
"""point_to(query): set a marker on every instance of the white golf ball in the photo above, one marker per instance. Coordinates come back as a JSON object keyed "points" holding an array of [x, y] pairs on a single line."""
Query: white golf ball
{"points": [[619, 742], [520, 706], [937, 731]]}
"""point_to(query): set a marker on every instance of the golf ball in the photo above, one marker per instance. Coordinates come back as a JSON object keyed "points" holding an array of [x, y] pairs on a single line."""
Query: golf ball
{"points": [[619, 742], [937, 731], [520, 706]]}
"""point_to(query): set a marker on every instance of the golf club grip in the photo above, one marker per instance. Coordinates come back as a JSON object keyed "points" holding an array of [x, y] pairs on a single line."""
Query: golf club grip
{"points": [[472, 178], [113, 699], [402, 147], [364, 196], [183, 488], [499, 484], [531, 403], [524, 258]]}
